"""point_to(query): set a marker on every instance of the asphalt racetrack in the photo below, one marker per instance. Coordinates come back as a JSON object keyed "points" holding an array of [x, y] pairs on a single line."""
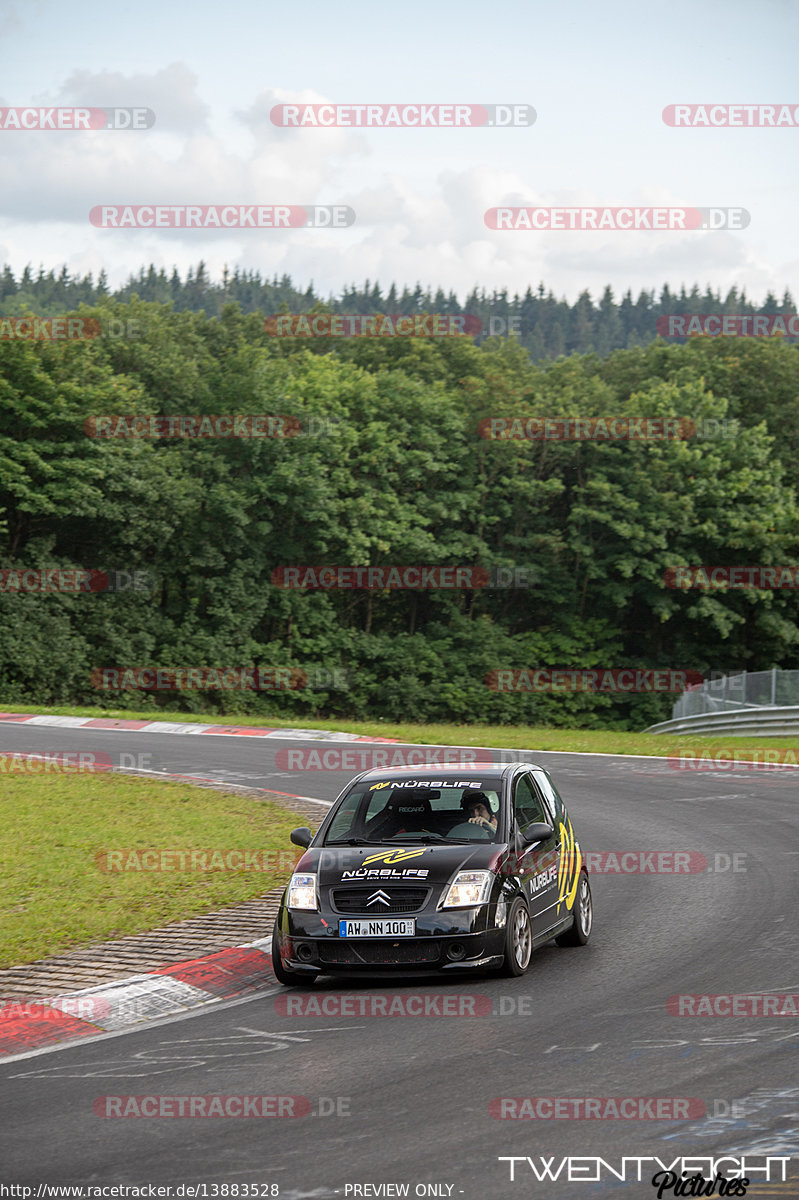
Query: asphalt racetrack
{"points": [[416, 1101]]}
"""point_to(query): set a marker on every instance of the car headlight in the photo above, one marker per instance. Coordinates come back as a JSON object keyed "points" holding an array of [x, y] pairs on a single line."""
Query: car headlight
{"points": [[468, 888], [302, 891]]}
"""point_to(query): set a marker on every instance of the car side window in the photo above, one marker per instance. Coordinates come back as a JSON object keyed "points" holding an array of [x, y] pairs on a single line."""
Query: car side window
{"points": [[528, 806], [552, 800], [343, 822]]}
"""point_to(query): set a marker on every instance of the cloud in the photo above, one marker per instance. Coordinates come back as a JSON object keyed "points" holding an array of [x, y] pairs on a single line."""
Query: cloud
{"points": [[171, 93], [409, 227]]}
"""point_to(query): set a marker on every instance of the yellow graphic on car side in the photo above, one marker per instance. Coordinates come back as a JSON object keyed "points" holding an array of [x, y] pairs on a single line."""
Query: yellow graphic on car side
{"points": [[570, 862]]}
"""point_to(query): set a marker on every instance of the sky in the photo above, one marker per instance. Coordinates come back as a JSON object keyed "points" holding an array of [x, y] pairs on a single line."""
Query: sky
{"points": [[597, 75]]}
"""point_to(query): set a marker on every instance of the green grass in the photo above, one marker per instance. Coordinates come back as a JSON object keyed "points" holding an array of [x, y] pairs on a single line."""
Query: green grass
{"points": [[56, 897], [512, 737]]}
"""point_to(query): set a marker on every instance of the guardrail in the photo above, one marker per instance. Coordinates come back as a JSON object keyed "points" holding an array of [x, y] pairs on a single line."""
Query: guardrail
{"points": [[765, 721], [773, 688]]}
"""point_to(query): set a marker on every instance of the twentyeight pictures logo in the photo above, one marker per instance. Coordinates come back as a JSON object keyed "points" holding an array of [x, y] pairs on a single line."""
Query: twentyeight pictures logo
{"points": [[635, 1168], [634, 217], [398, 116]]}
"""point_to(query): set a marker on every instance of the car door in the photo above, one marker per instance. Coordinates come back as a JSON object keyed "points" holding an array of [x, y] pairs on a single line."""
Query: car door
{"points": [[538, 864], [571, 859]]}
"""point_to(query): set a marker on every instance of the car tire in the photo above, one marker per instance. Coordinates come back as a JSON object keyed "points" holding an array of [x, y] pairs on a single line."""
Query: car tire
{"points": [[518, 940], [580, 930], [283, 974]]}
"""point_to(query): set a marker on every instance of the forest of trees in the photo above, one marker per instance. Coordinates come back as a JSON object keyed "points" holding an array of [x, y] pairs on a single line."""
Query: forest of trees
{"points": [[546, 327], [389, 468]]}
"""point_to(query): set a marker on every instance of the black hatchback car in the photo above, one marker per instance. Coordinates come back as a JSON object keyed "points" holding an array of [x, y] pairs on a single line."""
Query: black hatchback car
{"points": [[434, 869]]}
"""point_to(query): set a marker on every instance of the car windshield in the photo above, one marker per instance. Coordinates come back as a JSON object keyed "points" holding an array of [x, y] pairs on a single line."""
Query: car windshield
{"points": [[417, 812]]}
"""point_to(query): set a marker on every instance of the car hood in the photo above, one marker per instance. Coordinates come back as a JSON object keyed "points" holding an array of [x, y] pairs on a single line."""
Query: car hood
{"points": [[398, 864]]}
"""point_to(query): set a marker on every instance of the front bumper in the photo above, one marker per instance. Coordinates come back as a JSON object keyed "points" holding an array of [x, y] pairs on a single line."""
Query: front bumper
{"points": [[457, 940]]}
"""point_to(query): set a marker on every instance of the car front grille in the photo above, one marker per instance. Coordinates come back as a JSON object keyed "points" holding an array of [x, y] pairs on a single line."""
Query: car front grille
{"points": [[383, 954], [400, 900]]}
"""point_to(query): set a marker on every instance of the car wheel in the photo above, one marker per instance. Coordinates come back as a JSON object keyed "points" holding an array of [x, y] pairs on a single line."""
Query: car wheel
{"points": [[283, 974], [518, 939], [580, 930]]}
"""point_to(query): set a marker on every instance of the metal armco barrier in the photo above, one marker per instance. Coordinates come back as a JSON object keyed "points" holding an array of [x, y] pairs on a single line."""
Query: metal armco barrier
{"points": [[765, 721]]}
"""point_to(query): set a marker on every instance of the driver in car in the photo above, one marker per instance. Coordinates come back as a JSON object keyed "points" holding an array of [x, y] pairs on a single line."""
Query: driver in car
{"points": [[478, 808]]}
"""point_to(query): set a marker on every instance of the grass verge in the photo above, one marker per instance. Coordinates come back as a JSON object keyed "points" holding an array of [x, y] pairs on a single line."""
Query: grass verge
{"points": [[55, 832]]}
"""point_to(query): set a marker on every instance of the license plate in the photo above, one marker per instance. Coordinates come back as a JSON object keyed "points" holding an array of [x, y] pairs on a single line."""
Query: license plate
{"points": [[383, 927]]}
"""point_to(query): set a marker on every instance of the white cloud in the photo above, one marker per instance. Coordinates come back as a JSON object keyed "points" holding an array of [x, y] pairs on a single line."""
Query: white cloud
{"points": [[171, 93], [411, 225]]}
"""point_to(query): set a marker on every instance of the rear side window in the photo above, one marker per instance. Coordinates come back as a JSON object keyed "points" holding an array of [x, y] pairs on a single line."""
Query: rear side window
{"points": [[341, 825], [551, 797], [527, 804]]}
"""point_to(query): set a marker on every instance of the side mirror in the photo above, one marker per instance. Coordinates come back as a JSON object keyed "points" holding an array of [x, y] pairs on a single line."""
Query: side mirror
{"points": [[539, 831], [301, 836]]}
